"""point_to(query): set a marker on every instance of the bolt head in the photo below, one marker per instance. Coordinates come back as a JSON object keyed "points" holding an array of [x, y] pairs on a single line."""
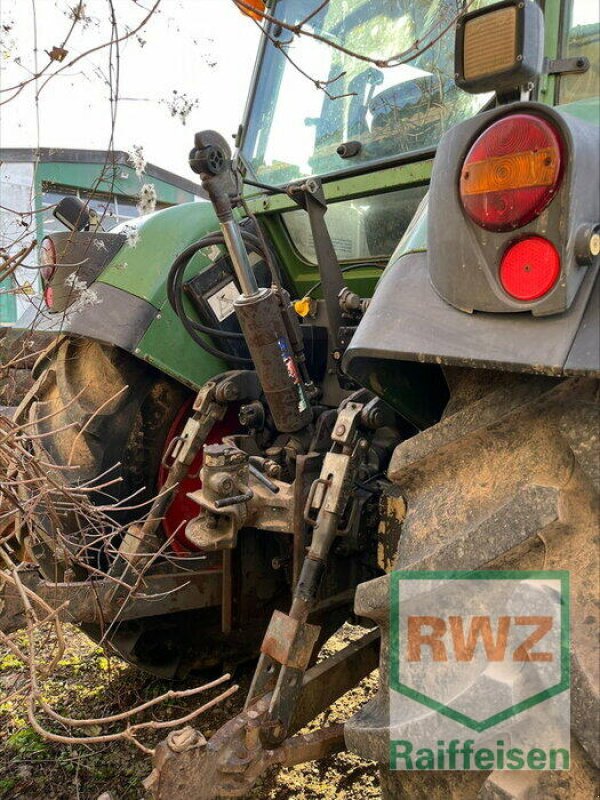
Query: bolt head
{"points": [[225, 486]]}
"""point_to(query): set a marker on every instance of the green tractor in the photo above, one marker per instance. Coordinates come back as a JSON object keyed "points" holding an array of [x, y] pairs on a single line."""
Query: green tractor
{"points": [[374, 350]]}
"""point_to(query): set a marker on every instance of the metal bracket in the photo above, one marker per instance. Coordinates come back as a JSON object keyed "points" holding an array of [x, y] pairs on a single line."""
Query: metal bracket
{"points": [[289, 643], [565, 66], [94, 602], [311, 198]]}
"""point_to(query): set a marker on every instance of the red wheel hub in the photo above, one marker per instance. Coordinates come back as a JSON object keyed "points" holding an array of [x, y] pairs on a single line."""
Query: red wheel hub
{"points": [[182, 509]]}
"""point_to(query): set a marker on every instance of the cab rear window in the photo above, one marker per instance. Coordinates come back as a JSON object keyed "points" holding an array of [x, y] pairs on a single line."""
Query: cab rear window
{"points": [[367, 228]]}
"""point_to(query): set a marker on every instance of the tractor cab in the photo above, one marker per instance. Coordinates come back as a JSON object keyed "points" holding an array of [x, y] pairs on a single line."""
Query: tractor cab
{"points": [[395, 101]]}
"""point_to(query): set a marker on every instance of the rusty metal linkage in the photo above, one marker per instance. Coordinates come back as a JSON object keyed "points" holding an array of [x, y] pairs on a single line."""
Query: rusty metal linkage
{"points": [[284, 696], [229, 764], [290, 640]]}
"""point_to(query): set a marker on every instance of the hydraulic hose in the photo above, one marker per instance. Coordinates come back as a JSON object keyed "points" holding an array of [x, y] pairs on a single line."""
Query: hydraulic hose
{"points": [[175, 296]]}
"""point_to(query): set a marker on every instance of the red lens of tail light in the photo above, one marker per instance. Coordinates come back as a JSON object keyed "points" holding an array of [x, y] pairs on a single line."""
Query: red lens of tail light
{"points": [[512, 172], [48, 258], [530, 268]]}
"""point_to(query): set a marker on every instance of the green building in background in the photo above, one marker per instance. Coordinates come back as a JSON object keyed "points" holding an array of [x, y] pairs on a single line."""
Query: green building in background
{"points": [[32, 181]]}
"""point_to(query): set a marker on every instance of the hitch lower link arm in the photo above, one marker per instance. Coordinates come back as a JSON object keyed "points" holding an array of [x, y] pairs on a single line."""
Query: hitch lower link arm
{"points": [[290, 639], [285, 695]]}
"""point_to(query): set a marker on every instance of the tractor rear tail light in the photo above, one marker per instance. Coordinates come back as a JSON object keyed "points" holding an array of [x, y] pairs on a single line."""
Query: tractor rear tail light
{"points": [[530, 268], [48, 258], [512, 172]]}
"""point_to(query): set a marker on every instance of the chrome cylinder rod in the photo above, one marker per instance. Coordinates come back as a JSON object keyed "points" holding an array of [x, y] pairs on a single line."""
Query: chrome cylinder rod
{"points": [[239, 257]]}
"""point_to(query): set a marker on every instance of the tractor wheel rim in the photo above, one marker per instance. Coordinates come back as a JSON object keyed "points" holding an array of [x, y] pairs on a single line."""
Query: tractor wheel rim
{"points": [[183, 509]]}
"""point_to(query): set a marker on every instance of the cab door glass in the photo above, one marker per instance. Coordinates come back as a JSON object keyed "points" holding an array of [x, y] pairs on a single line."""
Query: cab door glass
{"points": [[582, 40]]}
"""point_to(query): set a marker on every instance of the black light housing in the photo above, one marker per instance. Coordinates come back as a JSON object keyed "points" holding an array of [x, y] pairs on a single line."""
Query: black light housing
{"points": [[72, 213], [499, 48]]}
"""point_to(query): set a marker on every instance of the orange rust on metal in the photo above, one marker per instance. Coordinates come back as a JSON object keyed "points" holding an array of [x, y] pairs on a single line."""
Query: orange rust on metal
{"points": [[288, 642], [279, 637]]}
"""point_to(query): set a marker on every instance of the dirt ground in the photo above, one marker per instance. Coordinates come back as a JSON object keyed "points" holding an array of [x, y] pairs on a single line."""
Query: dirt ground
{"points": [[88, 684]]}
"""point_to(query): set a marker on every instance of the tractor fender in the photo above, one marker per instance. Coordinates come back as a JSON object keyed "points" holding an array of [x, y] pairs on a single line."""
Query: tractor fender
{"points": [[115, 318], [408, 321], [125, 303]]}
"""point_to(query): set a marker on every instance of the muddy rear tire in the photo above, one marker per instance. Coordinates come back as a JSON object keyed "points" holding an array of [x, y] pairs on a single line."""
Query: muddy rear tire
{"points": [[106, 413], [579, 783], [509, 479], [98, 411]]}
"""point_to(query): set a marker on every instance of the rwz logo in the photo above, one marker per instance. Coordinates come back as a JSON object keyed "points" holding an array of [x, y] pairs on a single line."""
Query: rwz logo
{"points": [[479, 651], [460, 636]]}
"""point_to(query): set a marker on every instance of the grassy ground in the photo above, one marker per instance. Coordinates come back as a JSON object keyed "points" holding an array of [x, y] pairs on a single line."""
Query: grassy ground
{"points": [[88, 684]]}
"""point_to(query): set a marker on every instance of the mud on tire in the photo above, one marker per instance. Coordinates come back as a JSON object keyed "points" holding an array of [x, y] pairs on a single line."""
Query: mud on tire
{"points": [[102, 412], [508, 479]]}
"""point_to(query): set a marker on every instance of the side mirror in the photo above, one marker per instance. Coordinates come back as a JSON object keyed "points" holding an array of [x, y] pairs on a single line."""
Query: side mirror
{"points": [[72, 213], [499, 48]]}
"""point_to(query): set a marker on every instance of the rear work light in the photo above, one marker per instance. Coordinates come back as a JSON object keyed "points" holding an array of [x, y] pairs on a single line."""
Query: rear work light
{"points": [[511, 172], [530, 268]]}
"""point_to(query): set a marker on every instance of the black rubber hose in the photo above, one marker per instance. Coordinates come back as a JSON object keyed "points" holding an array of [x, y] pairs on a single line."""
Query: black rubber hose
{"points": [[175, 296]]}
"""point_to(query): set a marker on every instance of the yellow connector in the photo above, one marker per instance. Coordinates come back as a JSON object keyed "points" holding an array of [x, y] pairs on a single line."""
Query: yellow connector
{"points": [[303, 307]]}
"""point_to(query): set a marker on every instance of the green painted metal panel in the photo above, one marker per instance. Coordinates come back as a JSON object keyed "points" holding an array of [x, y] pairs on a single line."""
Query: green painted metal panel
{"points": [[167, 346], [303, 274], [141, 269], [356, 186], [553, 10]]}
